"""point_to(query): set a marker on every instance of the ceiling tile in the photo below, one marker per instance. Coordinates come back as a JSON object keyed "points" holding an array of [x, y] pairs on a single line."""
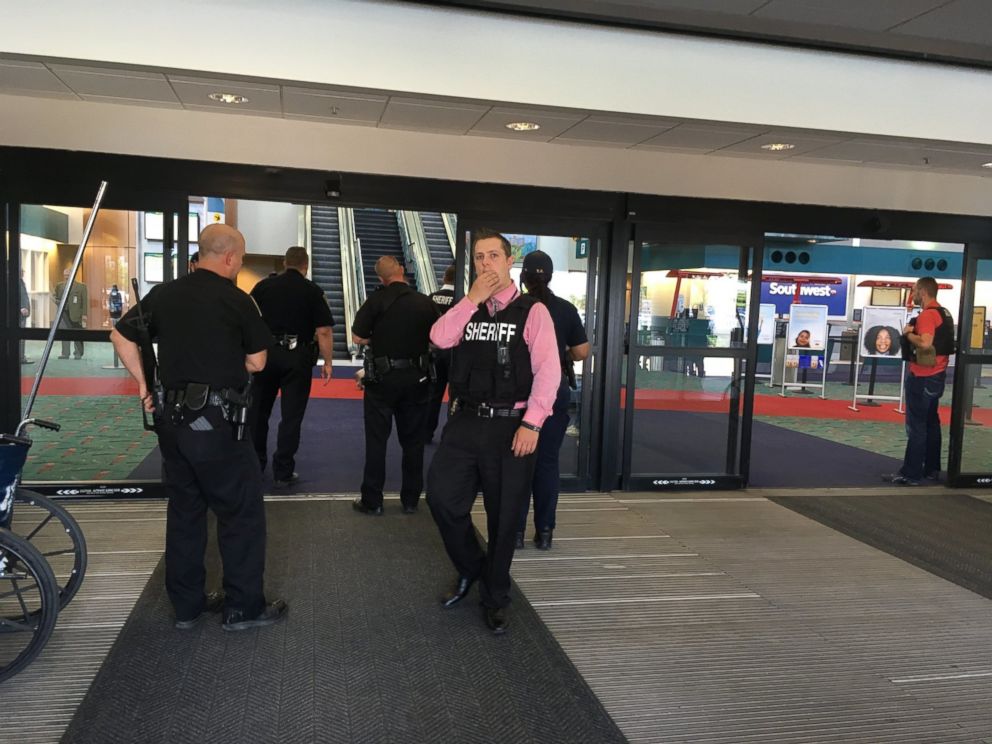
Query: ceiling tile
{"points": [[91, 82], [431, 116], [194, 92], [614, 131], [334, 106], [891, 153], [31, 77], [876, 15], [551, 123], [802, 143], [965, 21], [700, 137]]}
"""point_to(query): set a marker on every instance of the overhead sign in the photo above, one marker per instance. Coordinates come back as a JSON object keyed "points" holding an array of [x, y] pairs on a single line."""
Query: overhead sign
{"points": [[781, 294]]}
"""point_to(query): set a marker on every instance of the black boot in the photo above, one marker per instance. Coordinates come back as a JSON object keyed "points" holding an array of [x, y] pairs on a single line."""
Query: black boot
{"points": [[542, 539], [519, 542]]}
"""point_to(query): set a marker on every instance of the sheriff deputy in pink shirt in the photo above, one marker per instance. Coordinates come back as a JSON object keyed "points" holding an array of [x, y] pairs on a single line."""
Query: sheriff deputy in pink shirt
{"points": [[502, 385]]}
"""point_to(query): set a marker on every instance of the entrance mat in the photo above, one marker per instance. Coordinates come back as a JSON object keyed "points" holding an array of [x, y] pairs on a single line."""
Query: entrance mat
{"points": [[949, 535], [366, 654]]}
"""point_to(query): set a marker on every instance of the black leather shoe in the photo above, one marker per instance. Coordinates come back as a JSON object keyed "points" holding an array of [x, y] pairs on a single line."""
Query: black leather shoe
{"points": [[496, 619], [273, 612], [518, 544], [409, 508], [360, 506], [286, 482], [456, 595], [214, 604], [542, 539]]}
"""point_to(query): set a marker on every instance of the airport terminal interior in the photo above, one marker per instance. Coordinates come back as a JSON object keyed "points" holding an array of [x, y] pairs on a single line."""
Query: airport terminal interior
{"points": [[730, 562]]}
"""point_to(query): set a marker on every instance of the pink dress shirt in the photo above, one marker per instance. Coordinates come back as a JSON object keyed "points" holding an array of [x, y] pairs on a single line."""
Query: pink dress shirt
{"points": [[539, 335]]}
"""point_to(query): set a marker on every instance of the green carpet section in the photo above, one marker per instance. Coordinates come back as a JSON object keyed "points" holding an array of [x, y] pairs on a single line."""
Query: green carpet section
{"points": [[101, 439], [98, 356]]}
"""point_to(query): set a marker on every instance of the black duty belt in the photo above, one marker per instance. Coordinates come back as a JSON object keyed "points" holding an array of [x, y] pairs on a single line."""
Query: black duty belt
{"points": [[405, 363], [483, 410]]}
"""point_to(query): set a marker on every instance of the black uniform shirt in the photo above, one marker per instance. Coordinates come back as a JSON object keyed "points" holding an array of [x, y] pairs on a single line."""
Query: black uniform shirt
{"points": [[204, 326], [444, 298], [569, 331], [403, 330], [291, 303]]}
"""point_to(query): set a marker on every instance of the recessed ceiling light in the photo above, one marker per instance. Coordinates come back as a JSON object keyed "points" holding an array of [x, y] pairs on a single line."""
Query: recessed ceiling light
{"points": [[987, 165], [523, 126], [778, 146], [232, 98]]}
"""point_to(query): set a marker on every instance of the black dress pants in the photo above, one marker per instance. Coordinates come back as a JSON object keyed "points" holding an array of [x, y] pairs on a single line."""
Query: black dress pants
{"points": [[209, 469], [477, 451], [289, 371], [401, 394]]}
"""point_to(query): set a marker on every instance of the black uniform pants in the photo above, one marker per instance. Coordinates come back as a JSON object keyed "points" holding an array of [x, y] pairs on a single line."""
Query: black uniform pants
{"points": [[477, 451], [442, 363], [289, 371], [401, 394], [209, 469]]}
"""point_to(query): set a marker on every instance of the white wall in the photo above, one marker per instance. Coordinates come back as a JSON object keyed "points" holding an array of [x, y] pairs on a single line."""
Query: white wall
{"points": [[269, 228]]}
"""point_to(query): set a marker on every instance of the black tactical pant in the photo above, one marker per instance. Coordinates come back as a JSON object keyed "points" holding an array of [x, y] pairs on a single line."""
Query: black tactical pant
{"points": [[476, 451], [442, 363], [209, 469], [401, 394], [289, 371]]}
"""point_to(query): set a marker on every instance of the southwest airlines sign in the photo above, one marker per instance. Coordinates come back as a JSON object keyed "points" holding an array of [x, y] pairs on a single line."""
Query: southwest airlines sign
{"points": [[780, 294]]}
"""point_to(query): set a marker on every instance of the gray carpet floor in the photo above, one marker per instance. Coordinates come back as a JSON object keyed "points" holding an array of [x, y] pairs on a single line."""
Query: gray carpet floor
{"points": [[366, 655], [949, 535]]}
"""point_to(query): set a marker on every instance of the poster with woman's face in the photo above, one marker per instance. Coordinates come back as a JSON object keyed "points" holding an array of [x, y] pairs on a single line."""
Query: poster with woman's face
{"points": [[807, 327], [880, 331]]}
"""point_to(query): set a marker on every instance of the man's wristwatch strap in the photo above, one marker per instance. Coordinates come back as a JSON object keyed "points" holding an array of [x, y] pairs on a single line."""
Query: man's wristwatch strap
{"points": [[529, 425]]}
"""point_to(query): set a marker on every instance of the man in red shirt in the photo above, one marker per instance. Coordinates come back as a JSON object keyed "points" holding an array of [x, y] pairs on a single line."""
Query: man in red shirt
{"points": [[932, 338]]}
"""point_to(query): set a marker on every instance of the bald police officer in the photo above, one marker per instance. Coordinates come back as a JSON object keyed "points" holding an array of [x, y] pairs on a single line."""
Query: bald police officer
{"points": [[295, 309], [394, 323], [210, 337]]}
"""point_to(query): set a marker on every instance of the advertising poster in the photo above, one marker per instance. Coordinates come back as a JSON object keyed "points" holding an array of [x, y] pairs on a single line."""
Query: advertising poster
{"points": [[881, 328], [807, 327], [766, 323], [781, 291]]}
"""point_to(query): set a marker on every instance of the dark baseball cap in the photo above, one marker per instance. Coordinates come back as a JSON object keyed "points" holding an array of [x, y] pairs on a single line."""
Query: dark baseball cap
{"points": [[538, 263]]}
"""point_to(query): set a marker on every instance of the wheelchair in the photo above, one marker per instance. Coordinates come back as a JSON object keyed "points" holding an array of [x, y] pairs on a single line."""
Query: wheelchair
{"points": [[42, 558]]}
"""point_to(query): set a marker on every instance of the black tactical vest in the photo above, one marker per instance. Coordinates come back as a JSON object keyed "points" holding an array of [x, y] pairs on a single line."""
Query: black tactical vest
{"points": [[480, 372], [943, 336]]}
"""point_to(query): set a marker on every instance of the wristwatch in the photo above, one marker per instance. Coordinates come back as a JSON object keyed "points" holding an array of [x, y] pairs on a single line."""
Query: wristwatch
{"points": [[529, 425]]}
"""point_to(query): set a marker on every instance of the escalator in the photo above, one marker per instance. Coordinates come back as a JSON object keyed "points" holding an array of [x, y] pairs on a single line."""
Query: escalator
{"points": [[379, 235], [325, 249], [442, 253]]}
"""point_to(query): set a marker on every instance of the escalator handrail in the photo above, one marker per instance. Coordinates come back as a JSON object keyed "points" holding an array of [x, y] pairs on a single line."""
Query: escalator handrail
{"points": [[352, 279], [416, 250], [449, 228]]}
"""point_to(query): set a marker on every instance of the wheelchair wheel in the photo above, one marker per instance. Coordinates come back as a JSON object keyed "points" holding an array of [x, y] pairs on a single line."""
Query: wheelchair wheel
{"points": [[57, 536], [28, 603]]}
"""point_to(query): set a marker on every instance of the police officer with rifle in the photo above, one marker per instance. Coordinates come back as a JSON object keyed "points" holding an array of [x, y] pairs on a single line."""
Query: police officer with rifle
{"points": [[210, 338]]}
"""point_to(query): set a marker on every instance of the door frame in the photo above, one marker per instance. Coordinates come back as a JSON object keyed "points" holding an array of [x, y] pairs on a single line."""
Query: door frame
{"points": [[741, 407], [966, 360]]}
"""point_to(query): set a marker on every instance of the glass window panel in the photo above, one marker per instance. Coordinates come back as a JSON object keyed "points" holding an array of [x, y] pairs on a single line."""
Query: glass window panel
{"points": [[690, 296], [681, 413], [50, 236], [96, 403], [979, 336]]}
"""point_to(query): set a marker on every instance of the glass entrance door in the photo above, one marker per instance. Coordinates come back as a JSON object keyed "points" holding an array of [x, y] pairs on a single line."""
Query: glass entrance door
{"points": [[970, 452], [692, 311], [576, 251]]}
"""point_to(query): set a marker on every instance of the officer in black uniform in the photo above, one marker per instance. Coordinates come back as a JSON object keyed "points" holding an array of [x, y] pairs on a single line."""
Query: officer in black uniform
{"points": [[294, 308], [504, 377], [394, 323], [210, 337], [443, 299]]}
